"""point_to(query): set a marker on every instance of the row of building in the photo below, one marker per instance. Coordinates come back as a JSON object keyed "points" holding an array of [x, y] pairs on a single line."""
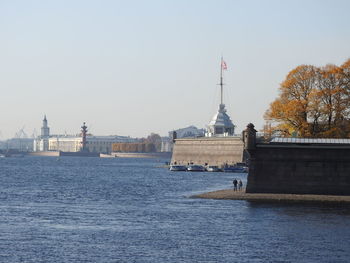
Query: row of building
{"points": [[101, 144], [74, 143]]}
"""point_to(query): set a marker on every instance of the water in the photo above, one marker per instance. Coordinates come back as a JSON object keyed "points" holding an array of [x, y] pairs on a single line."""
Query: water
{"points": [[128, 210]]}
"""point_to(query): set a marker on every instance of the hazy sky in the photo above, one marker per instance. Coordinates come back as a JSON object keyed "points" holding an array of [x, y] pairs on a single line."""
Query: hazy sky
{"points": [[136, 67]]}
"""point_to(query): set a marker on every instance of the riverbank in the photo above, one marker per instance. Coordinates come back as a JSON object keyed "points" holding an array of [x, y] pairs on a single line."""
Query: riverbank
{"points": [[159, 155], [229, 194]]}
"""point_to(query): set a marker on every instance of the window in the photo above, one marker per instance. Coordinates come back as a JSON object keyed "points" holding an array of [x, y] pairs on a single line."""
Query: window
{"points": [[219, 130]]}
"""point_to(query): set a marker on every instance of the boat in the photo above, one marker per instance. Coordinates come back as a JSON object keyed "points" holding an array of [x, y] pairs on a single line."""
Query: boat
{"points": [[243, 166], [178, 168], [213, 168], [11, 155], [234, 169], [195, 168]]}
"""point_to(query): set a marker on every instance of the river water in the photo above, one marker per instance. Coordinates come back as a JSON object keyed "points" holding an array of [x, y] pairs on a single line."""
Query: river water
{"points": [[73, 209]]}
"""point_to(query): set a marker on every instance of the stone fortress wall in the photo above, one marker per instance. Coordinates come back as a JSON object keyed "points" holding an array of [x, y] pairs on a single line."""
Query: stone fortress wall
{"points": [[208, 150], [297, 168]]}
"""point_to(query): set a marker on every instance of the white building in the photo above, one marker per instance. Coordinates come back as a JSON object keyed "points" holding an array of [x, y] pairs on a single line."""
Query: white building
{"points": [[73, 143], [41, 143], [190, 131], [167, 144], [187, 132], [101, 144]]}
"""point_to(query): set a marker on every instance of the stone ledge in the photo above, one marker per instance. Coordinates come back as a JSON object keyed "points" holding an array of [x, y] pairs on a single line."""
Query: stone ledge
{"points": [[229, 194]]}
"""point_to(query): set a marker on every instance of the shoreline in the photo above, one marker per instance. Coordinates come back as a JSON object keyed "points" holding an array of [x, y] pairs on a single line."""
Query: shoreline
{"points": [[229, 194]]}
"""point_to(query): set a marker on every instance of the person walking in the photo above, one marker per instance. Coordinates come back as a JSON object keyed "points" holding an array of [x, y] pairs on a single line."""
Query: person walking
{"points": [[235, 184], [240, 185]]}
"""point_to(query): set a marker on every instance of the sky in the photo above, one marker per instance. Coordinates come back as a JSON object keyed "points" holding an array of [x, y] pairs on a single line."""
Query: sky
{"points": [[136, 67]]}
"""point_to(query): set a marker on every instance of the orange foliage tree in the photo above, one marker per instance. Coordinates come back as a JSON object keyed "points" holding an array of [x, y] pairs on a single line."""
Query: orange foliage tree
{"points": [[313, 102]]}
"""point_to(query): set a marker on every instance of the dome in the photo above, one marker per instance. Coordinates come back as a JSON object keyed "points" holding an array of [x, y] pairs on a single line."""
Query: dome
{"points": [[221, 123]]}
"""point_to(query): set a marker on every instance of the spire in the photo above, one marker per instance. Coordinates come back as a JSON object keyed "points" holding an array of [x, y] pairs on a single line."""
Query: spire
{"points": [[223, 66], [221, 82], [221, 124], [45, 122]]}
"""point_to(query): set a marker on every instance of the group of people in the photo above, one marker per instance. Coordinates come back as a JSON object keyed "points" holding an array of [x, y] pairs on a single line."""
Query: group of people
{"points": [[237, 183]]}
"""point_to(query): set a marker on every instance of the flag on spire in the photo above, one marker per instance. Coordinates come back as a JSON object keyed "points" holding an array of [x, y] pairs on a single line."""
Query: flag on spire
{"points": [[223, 65]]}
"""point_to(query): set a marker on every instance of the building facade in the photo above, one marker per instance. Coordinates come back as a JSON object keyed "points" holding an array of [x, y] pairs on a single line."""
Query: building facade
{"points": [[41, 144], [99, 144], [74, 143]]}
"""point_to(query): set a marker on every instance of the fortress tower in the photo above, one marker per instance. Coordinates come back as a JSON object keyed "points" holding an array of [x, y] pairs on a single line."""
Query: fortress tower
{"points": [[45, 130], [45, 135]]}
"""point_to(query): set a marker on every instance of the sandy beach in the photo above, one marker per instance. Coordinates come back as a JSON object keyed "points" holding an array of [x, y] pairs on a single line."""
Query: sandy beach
{"points": [[229, 194]]}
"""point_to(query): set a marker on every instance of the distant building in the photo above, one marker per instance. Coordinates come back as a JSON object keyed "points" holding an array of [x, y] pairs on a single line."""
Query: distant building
{"points": [[134, 147], [167, 144], [19, 144], [74, 143], [101, 144], [41, 144], [190, 131], [187, 132]]}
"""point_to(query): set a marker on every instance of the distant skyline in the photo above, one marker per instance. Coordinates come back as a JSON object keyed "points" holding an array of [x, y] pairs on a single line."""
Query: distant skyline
{"points": [[136, 67]]}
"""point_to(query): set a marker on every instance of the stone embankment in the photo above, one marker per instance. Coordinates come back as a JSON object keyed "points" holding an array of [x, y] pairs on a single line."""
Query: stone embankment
{"points": [[229, 194]]}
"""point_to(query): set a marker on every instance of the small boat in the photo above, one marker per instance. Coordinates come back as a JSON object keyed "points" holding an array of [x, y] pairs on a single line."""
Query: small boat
{"points": [[234, 169], [213, 168], [177, 168], [195, 168]]}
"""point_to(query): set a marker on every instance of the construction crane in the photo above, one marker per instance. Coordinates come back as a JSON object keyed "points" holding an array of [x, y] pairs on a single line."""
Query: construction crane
{"points": [[34, 134], [21, 134]]}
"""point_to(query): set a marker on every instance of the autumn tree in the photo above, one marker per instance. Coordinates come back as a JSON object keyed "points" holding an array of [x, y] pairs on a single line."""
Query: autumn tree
{"points": [[313, 102], [345, 79], [292, 109], [345, 74], [333, 103], [156, 140]]}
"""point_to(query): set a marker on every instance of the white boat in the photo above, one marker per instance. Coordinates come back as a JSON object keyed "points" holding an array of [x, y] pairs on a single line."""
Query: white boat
{"points": [[177, 168], [195, 168], [213, 168]]}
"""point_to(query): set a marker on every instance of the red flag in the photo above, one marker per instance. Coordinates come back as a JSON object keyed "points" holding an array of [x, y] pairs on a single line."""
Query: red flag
{"points": [[223, 65]]}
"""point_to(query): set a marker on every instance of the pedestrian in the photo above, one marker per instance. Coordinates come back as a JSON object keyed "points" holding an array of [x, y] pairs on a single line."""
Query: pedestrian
{"points": [[234, 184], [240, 185]]}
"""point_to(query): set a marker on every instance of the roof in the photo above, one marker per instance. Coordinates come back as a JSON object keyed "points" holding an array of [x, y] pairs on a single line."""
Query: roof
{"points": [[221, 118], [311, 140]]}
